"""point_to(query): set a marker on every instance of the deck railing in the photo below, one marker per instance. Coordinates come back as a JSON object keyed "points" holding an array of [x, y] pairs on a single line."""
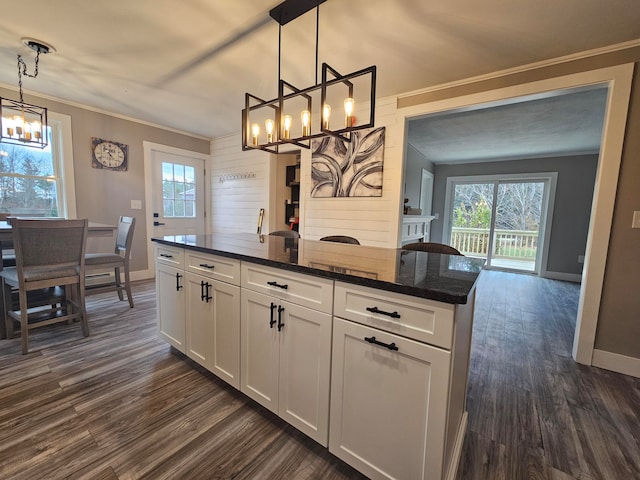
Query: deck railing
{"points": [[516, 244]]}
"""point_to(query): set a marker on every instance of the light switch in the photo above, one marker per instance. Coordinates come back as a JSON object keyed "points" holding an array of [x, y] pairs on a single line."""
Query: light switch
{"points": [[636, 219], [136, 204]]}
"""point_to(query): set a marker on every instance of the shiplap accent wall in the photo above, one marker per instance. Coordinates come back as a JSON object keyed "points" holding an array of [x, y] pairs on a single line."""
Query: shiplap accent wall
{"points": [[235, 203], [372, 220]]}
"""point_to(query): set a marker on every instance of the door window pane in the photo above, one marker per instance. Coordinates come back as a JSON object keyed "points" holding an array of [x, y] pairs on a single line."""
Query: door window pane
{"points": [[471, 218], [178, 190]]}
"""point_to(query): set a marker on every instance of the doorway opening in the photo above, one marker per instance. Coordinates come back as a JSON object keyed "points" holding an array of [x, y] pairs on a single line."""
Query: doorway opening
{"points": [[617, 81]]}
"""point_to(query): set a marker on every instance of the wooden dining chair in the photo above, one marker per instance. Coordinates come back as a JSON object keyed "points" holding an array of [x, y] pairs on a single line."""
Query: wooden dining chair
{"points": [[49, 254], [432, 247], [340, 239], [117, 260]]}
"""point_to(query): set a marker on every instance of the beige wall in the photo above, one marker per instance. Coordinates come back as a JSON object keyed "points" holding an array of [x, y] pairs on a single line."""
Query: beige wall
{"points": [[619, 320], [102, 195]]}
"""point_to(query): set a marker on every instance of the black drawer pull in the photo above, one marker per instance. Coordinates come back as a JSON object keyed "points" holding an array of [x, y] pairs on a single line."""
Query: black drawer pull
{"points": [[280, 310], [178, 286], [382, 312], [390, 346], [276, 284], [206, 265], [166, 255], [272, 321]]}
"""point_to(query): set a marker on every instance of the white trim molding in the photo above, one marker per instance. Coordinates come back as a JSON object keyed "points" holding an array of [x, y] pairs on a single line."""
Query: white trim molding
{"points": [[616, 363], [567, 277]]}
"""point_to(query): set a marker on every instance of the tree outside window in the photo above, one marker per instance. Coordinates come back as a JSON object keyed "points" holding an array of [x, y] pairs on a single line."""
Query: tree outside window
{"points": [[28, 184]]}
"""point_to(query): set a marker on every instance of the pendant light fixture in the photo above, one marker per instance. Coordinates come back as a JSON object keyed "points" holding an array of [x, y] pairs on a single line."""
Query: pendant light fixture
{"points": [[22, 123], [296, 115]]}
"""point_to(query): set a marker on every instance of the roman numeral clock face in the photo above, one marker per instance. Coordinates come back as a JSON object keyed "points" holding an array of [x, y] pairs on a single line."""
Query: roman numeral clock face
{"points": [[109, 155]]}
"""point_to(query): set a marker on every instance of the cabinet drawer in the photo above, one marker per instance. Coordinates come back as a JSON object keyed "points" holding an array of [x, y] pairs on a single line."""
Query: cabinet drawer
{"points": [[417, 318], [298, 288], [170, 256], [213, 266]]}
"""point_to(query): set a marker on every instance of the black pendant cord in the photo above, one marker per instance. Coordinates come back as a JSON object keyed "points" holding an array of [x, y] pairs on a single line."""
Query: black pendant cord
{"points": [[317, 36], [22, 70], [279, 51]]}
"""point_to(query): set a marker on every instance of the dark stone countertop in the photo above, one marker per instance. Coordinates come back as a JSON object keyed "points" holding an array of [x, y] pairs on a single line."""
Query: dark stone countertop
{"points": [[444, 278]]}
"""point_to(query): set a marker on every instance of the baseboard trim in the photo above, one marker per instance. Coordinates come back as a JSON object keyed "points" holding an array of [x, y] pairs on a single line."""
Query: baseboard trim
{"points": [[567, 277], [457, 448], [141, 275], [616, 362]]}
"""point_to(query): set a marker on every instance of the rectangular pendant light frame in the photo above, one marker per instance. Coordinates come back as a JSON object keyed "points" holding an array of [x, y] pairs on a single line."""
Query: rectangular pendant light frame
{"points": [[330, 77], [33, 112]]}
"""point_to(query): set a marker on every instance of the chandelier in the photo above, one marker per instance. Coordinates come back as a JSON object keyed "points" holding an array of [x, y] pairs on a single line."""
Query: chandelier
{"points": [[293, 117], [22, 123]]}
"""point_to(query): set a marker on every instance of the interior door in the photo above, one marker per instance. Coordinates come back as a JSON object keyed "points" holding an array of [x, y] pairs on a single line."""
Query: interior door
{"points": [[178, 194]]}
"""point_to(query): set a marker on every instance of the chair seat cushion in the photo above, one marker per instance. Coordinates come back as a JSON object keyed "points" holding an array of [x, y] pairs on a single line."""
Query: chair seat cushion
{"points": [[94, 259], [40, 273]]}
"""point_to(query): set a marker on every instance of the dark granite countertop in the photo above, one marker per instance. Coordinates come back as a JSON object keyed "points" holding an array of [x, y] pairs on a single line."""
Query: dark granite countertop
{"points": [[444, 278]]}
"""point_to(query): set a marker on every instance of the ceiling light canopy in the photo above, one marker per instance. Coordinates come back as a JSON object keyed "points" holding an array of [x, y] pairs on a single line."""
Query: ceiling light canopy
{"points": [[296, 115], [22, 123]]}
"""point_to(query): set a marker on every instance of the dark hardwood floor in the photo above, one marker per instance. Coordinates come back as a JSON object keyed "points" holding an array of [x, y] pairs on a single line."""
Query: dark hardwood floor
{"points": [[121, 404], [533, 412]]}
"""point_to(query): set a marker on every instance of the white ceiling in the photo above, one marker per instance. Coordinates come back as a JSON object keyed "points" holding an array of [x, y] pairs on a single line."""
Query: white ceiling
{"points": [[565, 123], [187, 64]]}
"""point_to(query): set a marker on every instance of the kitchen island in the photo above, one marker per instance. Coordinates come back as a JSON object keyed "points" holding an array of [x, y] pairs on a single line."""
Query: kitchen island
{"points": [[363, 349]]}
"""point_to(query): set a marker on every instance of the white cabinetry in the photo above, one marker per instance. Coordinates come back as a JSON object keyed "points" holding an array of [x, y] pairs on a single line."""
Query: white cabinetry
{"points": [[286, 347], [396, 409], [199, 314], [171, 296]]}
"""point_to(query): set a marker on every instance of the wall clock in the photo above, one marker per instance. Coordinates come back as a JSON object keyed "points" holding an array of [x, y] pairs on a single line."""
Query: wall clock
{"points": [[109, 155]]}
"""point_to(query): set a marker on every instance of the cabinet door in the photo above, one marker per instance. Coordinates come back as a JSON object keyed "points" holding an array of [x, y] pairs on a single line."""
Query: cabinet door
{"points": [[225, 358], [199, 319], [305, 367], [260, 349], [388, 407], [171, 303]]}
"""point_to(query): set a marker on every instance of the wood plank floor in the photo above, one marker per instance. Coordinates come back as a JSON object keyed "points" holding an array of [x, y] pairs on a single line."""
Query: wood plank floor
{"points": [[533, 412], [122, 405]]}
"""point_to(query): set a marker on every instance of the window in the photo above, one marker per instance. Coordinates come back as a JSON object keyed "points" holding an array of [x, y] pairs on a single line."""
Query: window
{"points": [[32, 181], [178, 190]]}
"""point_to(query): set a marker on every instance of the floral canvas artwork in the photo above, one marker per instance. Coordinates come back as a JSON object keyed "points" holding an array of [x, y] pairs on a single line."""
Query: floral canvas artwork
{"points": [[348, 169]]}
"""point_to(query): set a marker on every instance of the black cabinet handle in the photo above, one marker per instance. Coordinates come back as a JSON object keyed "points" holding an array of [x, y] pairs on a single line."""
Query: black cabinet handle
{"points": [[382, 312], [276, 284], [390, 346], [157, 224], [204, 291], [280, 310], [178, 286], [206, 265], [166, 255], [272, 322]]}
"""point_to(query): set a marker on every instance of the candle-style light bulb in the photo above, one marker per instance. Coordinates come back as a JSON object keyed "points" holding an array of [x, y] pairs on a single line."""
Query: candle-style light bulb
{"points": [[286, 126], [305, 117], [255, 133], [349, 104], [326, 115], [268, 127]]}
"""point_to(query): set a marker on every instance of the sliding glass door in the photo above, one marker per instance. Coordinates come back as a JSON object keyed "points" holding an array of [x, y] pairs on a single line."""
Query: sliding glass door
{"points": [[500, 220]]}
